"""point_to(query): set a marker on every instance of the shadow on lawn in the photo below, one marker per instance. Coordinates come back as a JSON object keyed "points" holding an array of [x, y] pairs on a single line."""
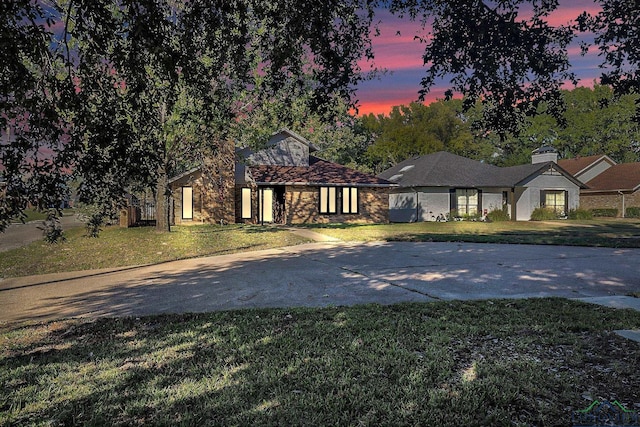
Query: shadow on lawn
{"points": [[614, 234], [435, 364]]}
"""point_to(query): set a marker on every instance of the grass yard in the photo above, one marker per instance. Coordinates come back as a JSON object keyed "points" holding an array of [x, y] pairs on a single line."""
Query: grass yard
{"points": [[521, 362], [118, 247], [606, 233]]}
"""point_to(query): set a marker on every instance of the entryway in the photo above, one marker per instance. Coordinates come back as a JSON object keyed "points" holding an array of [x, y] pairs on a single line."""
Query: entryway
{"points": [[271, 208]]}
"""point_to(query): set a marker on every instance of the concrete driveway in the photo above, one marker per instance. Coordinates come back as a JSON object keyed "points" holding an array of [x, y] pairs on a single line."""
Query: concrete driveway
{"points": [[321, 274]]}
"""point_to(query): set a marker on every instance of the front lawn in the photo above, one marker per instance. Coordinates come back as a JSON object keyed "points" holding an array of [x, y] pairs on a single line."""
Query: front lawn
{"points": [[523, 362], [118, 247], [607, 233]]}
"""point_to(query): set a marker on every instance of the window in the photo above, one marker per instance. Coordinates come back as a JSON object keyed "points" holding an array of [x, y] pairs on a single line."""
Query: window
{"points": [[246, 203], [350, 200], [556, 200], [467, 201], [187, 202], [265, 205], [328, 200]]}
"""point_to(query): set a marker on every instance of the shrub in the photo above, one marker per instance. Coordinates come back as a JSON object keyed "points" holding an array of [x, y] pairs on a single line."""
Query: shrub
{"points": [[580, 214], [543, 214], [632, 212], [498, 215], [605, 212]]}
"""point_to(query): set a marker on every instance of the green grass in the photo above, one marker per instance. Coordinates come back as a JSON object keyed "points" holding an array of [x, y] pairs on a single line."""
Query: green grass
{"points": [[524, 362], [118, 247], [605, 233]]}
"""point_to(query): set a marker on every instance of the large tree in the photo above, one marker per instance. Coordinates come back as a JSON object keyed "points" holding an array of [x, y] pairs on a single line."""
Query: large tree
{"points": [[32, 119], [126, 64], [504, 54]]}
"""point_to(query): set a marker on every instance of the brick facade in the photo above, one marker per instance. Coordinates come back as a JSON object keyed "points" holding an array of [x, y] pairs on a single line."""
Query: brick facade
{"points": [[609, 200], [211, 203], [301, 206]]}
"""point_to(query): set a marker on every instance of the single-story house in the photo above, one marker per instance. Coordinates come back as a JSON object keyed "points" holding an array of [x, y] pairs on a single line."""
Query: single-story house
{"points": [[433, 186], [283, 184], [609, 185]]}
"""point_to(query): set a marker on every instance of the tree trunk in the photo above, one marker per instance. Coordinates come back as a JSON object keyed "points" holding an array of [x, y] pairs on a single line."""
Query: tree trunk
{"points": [[163, 200]]}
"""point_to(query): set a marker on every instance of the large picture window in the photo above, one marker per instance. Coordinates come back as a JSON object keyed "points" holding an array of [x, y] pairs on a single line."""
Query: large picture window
{"points": [[467, 201], [349, 200], [328, 200], [556, 200]]}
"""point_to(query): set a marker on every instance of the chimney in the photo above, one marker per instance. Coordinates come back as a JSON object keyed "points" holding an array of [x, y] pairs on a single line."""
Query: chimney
{"points": [[544, 154]]}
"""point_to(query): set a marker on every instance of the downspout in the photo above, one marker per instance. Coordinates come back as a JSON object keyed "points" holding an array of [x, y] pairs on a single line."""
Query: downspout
{"points": [[417, 204], [622, 194]]}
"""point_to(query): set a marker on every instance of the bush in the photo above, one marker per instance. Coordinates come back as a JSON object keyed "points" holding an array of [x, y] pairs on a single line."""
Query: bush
{"points": [[498, 215], [580, 214], [632, 212], [543, 214], [605, 212]]}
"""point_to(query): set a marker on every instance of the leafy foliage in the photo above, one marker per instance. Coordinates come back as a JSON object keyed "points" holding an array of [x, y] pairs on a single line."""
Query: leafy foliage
{"points": [[496, 54], [617, 29], [123, 92], [605, 212], [581, 214], [417, 129], [543, 214], [632, 212], [498, 215]]}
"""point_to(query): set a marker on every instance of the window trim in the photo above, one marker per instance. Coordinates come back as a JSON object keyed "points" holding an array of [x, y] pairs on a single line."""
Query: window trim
{"points": [[454, 200], [565, 207], [190, 188], [326, 195], [348, 194], [244, 205]]}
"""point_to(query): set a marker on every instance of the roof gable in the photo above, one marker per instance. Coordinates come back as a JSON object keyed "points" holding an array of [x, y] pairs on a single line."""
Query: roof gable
{"points": [[579, 165], [284, 148], [620, 177]]}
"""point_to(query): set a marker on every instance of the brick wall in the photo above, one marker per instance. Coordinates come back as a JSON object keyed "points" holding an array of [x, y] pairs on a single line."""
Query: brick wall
{"points": [[302, 206], [211, 203], [609, 201]]}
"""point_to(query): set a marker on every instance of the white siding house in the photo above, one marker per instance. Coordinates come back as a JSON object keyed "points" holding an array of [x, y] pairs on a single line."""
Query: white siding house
{"points": [[439, 185]]}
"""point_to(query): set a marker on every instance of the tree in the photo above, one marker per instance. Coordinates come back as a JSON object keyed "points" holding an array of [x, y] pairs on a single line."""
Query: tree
{"points": [[503, 54], [617, 29], [125, 65], [418, 129], [32, 118], [597, 123]]}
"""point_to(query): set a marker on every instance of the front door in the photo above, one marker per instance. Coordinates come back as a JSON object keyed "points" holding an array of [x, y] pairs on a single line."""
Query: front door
{"points": [[265, 205]]}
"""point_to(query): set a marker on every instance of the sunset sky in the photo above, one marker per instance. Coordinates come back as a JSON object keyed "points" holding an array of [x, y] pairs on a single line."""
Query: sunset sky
{"points": [[402, 57]]}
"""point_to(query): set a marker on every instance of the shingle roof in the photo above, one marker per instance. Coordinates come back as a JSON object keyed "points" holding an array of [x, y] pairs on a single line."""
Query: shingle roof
{"points": [[620, 177], [578, 164], [439, 169], [318, 172], [443, 169]]}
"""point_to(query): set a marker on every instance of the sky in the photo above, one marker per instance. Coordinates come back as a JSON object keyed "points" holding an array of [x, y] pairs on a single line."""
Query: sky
{"points": [[401, 56]]}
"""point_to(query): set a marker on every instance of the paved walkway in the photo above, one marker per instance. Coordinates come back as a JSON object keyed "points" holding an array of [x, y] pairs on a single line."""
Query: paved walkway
{"points": [[331, 273]]}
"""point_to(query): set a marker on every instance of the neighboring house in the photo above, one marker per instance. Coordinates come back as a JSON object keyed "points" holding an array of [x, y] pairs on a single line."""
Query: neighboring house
{"points": [[609, 185], [282, 183], [435, 185]]}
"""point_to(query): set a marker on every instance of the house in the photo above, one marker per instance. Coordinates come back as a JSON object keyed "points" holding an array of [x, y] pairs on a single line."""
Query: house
{"points": [[284, 183], [609, 185], [431, 187]]}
